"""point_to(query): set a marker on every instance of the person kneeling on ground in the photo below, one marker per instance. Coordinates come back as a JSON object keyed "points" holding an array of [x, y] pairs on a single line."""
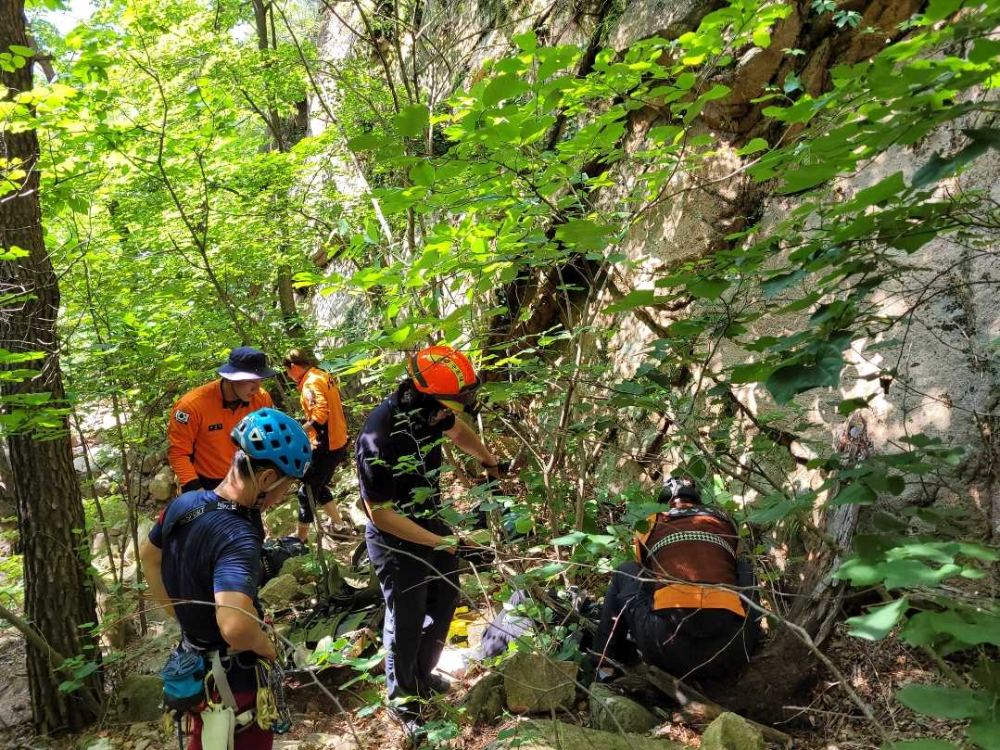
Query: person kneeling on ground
{"points": [[327, 429], [671, 602], [206, 548]]}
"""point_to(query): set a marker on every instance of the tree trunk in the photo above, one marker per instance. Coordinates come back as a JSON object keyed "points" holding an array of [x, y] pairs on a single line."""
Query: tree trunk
{"points": [[58, 596]]}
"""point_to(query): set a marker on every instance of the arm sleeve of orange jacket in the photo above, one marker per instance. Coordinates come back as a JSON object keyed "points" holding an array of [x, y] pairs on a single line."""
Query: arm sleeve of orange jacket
{"points": [[268, 403], [315, 396], [181, 431], [336, 423]]}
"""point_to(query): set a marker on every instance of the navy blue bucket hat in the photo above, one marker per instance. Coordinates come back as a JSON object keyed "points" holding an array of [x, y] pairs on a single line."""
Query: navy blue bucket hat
{"points": [[246, 363]]}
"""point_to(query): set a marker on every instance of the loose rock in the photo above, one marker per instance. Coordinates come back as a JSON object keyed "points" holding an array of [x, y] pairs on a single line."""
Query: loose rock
{"points": [[611, 712], [555, 735], [161, 487], [485, 703], [731, 732], [536, 684], [280, 592], [139, 698]]}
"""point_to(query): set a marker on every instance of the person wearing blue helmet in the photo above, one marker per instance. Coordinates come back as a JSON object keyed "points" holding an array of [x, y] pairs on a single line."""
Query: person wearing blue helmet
{"points": [[206, 549]]}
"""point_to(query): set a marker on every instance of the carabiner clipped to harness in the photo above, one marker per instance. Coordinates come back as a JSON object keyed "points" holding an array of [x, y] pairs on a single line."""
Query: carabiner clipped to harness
{"points": [[272, 710]]}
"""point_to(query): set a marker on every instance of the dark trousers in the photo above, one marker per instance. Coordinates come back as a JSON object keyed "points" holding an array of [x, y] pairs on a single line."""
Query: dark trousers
{"points": [[324, 462], [707, 643], [420, 587]]}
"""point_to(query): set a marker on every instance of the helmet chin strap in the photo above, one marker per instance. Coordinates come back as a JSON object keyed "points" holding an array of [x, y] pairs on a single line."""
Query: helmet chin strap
{"points": [[258, 492]]}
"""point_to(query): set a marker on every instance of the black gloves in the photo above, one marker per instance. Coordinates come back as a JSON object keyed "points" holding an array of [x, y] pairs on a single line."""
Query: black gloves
{"points": [[194, 484]]}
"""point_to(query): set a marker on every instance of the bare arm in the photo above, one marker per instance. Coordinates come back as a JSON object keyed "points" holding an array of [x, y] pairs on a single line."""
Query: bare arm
{"points": [[152, 558], [235, 616], [466, 440], [388, 520]]}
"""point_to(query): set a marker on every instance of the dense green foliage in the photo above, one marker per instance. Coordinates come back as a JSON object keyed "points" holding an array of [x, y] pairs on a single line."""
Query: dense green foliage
{"points": [[177, 195]]}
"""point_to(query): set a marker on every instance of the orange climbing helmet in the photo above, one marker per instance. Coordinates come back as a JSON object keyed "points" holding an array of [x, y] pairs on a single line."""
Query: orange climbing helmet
{"points": [[444, 373]]}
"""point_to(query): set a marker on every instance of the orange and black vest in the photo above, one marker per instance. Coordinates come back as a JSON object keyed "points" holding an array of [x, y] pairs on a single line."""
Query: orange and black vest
{"points": [[198, 438], [691, 546], [320, 401]]}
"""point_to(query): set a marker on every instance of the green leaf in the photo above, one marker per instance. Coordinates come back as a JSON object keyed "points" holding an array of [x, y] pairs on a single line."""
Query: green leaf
{"points": [[585, 233], [856, 493], [920, 745], [422, 173], [637, 298], [21, 50], [762, 38], [984, 50], [984, 732], [774, 284], [708, 288], [412, 120], [945, 702], [939, 167], [879, 621], [938, 10], [787, 382], [528, 41], [882, 191], [365, 142], [755, 145], [503, 87], [569, 539]]}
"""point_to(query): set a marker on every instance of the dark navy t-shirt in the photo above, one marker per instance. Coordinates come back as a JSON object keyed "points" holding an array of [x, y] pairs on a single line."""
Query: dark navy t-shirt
{"points": [[398, 454], [217, 551]]}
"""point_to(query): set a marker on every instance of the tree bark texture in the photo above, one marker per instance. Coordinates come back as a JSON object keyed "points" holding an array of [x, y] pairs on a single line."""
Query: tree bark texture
{"points": [[58, 595]]}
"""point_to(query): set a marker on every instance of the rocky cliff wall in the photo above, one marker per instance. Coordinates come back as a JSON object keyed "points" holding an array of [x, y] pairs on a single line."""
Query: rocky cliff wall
{"points": [[945, 359]]}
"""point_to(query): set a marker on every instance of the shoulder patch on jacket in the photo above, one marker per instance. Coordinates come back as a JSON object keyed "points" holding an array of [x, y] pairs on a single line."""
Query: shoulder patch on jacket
{"points": [[182, 416]]}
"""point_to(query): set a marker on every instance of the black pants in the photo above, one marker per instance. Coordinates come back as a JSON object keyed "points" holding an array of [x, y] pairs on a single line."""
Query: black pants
{"points": [[324, 462], [420, 587], [707, 643]]}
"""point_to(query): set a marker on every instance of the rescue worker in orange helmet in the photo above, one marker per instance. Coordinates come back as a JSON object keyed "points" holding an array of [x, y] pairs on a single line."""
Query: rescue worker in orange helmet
{"points": [[327, 429], [672, 602], [398, 454], [199, 449]]}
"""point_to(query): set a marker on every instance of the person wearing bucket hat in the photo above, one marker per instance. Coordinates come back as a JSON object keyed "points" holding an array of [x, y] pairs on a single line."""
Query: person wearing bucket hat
{"points": [[199, 449]]}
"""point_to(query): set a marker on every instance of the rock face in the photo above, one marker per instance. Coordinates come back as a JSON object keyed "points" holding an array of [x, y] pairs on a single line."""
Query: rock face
{"points": [[554, 735], [535, 684], [731, 732], [161, 487], [485, 702], [139, 698], [611, 712], [280, 592]]}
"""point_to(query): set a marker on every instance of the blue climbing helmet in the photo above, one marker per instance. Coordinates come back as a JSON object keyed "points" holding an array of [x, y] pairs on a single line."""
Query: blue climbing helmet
{"points": [[271, 435]]}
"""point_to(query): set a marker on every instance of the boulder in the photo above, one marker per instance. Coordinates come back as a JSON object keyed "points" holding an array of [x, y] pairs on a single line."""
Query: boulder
{"points": [[161, 487], [731, 732], [611, 712], [279, 592], [139, 698], [484, 703], [296, 566], [555, 735], [151, 462], [534, 683]]}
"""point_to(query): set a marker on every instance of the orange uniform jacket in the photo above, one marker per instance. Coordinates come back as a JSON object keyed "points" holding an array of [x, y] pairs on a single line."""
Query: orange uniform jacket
{"points": [[320, 401], [198, 432]]}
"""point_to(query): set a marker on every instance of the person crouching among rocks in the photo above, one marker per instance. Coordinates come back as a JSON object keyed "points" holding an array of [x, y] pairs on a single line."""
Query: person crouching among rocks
{"points": [[671, 603]]}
